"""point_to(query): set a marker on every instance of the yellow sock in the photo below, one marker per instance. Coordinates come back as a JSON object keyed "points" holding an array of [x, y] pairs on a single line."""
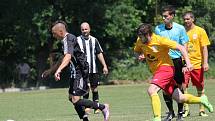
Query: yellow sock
{"points": [[156, 105], [190, 99], [201, 106]]}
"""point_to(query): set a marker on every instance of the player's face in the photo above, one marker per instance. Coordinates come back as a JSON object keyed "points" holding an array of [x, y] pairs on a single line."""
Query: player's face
{"points": [[56, 34], [85, 30], [167, 18], [144, 38], [188, 21]]}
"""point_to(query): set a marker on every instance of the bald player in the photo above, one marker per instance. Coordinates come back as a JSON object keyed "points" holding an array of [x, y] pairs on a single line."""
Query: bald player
{"points": [[76, 60], [91, 47]]}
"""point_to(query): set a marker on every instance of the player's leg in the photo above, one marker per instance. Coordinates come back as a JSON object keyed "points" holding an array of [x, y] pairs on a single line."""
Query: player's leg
{"points": [[191, 99], [169, 104], [162, 79], [78, 89], [94, 82], [185, 88], [73, 90], [155, 101], [198, 81], [179, 78], [86, 96]]}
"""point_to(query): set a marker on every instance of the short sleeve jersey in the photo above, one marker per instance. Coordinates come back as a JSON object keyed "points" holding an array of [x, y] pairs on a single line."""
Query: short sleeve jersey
{"points": [[71, 46], [91, 47], [156, 51], [177, 33], [198, 39]]}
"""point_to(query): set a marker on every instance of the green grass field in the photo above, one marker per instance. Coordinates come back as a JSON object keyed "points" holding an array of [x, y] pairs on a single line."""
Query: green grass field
{"points": [[128, 103]]}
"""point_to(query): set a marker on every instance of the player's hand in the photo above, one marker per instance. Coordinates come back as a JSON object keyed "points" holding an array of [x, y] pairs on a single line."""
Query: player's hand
{"points": [[57, 75], [46, 73], [105, 70], [205, 66], [141, 57], [184, 70], [189, 67]]}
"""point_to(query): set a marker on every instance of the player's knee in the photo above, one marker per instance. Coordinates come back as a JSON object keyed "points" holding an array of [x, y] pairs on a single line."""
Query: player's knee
{"points": [[73, 101], [70, 99], [153, 89], [150, 91]]}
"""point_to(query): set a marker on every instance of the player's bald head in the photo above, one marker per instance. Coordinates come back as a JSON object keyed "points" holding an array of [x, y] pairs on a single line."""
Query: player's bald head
{"points": [[59, 27], [85, 30], [85, 24]]}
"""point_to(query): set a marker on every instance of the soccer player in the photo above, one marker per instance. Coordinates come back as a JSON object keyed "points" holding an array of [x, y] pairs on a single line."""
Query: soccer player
{"points": [[155, 50], [91, 47], [76, 59], [198, 55], [176, 32]]}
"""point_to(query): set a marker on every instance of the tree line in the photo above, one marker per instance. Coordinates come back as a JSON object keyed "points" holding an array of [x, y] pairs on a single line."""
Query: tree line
{"points": [[25, 30]]}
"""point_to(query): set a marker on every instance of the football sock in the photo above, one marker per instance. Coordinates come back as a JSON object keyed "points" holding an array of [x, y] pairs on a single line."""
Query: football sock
{"points": [[96, 96], [168, 101], [79, 109], [90, 104], [181, 105], [190, 99], [85, 118], [156, 105], [201, 106]]}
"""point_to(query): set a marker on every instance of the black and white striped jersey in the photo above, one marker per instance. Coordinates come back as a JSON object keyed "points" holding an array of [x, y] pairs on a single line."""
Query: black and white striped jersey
{"points": [[78, 60], [91, 48]]}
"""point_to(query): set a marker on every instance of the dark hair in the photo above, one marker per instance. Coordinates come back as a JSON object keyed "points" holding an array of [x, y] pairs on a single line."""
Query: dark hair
{"points": [[189, 13], [170, 9], [60, 21], [144, 29]]}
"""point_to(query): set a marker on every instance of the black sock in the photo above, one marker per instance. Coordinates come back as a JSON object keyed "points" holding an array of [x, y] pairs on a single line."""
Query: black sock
{"points": [[168, 101], [181, 105], [90, 104], [85, 119], [86, 96], [96, 96], [80, 110]]}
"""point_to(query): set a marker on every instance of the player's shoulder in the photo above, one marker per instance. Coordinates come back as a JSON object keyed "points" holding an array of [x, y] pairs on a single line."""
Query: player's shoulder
{"points": [[160, 27], [199, 28], [179, 26], [71, 36], [92, 37]]}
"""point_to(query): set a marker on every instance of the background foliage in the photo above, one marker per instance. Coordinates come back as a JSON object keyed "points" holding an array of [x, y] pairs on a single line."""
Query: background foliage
{"points": [[25, 32]]}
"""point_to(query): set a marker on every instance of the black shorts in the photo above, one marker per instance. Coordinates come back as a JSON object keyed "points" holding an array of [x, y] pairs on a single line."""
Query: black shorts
{"points": [[94, 79], [179, 76], [78, 85]]}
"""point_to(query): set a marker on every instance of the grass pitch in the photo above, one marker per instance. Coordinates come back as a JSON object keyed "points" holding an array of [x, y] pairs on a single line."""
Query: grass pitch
{"points": [[127, 103]]}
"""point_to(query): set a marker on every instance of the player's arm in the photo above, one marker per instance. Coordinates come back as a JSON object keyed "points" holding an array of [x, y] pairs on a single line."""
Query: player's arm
{"points": [[102, 61], [205, 58], [53, 68], [138, 51], [66, 59], [185, 55]]}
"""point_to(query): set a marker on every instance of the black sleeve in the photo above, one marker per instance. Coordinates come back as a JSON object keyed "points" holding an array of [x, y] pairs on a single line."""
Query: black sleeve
{"points": [[98, 48]]}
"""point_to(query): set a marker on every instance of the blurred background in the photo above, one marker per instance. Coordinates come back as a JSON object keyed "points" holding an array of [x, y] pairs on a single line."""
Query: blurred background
{"points": [[26, 39]]}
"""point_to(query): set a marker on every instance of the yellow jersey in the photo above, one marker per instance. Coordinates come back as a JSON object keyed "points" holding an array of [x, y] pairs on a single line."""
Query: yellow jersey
{"points": [[198, 39], [156, 51]]}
